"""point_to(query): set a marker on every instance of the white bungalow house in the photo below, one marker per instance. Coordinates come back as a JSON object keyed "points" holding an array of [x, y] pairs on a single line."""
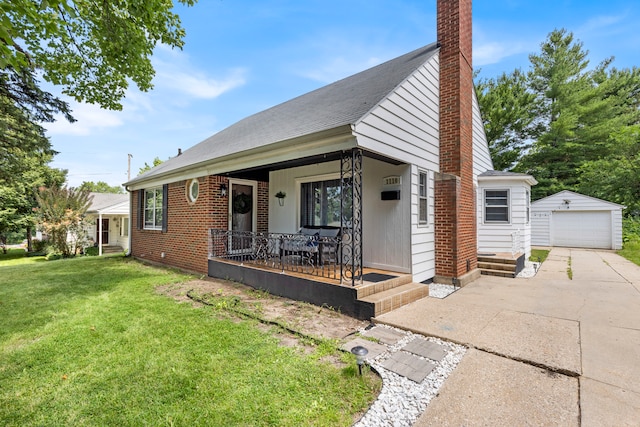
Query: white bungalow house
{"points": [[382, 175], [109, 218]]}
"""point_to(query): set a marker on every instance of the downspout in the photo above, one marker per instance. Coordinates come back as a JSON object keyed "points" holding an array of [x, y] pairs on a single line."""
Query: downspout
{"points": [[130, 220]]}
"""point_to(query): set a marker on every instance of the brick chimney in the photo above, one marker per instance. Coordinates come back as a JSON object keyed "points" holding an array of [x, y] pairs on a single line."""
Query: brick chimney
{"points": [[455, 213]]}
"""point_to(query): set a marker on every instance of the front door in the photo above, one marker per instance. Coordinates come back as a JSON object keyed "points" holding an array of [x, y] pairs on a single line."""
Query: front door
{"points": [[242, 214], [105, 231]]}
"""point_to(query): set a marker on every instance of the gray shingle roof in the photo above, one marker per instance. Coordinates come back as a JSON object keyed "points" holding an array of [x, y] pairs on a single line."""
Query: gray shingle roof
{"points": [[338, 104], [503, 173], [104, 200]]}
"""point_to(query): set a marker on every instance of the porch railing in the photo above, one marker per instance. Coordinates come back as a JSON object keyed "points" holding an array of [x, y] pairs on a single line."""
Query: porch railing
{"points": [[312, 255]]}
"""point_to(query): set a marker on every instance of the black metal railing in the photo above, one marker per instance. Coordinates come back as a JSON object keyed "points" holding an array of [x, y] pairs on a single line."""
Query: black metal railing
{"points": [[312, 255]]}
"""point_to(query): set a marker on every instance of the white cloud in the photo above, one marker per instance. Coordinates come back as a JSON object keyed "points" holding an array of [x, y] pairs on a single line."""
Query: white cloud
{"points": [[198, 85], [174, 71], [89, 118], [599, 23], [494, 52]]}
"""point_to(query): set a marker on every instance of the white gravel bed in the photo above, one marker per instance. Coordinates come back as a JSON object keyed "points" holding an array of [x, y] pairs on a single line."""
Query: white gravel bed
{"points": [[530, 269], [401, 400], [438, 290]]}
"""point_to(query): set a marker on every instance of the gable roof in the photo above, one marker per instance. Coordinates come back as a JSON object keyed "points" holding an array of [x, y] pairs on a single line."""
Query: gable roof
{"points": [[507, 176], [337, 105], [109, 203], [561, 195]]}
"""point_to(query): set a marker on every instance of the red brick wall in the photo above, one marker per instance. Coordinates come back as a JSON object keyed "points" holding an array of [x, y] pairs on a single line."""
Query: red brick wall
{"points": [[185, 243], [455, 223]]}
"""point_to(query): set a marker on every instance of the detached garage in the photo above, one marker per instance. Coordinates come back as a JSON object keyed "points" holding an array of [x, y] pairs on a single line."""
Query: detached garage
{"points": [[575, 220]]}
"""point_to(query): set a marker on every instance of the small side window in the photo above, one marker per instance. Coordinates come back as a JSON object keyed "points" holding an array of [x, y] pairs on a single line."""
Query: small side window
{"points": [[193, 190], [423, 211], [496, 206]]}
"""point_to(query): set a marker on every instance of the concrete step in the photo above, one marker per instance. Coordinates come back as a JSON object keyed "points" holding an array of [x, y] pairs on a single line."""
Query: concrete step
{"points": [[391, 299], [111, 250]]}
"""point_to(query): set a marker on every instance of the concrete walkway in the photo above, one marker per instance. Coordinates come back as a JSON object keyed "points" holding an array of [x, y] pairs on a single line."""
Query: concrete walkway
{"points": [[549, 350]]}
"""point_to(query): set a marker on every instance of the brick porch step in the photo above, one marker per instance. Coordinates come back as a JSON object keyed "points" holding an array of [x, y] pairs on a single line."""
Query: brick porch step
{"points": [[498, 273], [501, 265], [396, 297], [112, 249]]}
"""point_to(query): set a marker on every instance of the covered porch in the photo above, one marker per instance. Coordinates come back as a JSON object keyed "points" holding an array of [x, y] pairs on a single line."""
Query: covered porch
{"points": [[309, 276]]}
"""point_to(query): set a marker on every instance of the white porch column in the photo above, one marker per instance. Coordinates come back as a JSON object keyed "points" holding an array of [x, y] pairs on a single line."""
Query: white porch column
{"points": [[99, 233]]}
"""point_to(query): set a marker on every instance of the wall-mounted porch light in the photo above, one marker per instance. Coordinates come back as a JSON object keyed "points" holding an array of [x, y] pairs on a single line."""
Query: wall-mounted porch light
{"points": [[223, 190], [280, 195], [361, 353]]}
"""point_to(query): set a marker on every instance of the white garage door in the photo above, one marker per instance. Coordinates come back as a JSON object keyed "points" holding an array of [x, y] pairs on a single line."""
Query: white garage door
{"points": [[585, 229]]}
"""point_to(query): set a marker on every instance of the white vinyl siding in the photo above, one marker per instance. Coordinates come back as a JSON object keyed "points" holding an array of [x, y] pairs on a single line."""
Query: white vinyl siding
{"points": [[423, 198], [405, 125], [386, 223], [422, 235], [481, 155], [505, 237]]}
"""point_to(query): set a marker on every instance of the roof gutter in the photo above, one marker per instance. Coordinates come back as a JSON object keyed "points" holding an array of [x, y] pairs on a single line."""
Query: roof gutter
{"points": [[341, 136]]}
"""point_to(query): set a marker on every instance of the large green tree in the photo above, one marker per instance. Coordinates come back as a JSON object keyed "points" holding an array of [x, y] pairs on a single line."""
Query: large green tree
{"points": [[92, 49], [574, 121], [616, 177], [25, 153], [101, 187], [507, 107]]}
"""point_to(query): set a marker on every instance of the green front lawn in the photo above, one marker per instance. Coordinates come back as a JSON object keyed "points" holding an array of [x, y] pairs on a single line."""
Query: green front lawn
{"points": [[631, 251], [88, 341], [538, 255]]}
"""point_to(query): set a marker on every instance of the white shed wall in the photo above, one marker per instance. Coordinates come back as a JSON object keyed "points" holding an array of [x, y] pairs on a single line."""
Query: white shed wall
{"points": [[505, 237]]}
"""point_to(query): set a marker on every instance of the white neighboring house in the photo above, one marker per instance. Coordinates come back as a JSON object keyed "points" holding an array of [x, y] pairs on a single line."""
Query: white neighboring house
{"points": [[504, 212], [574, 220], [109, 217]]}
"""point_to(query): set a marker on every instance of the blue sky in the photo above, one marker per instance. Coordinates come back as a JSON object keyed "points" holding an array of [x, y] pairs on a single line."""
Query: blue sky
{"points": [[241, 57]]}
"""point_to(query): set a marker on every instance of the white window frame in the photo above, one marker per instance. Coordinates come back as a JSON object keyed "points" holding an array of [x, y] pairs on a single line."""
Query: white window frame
{"points": [[507, 206], [155, 191], [124, 226], [423, 197], [190, 190]]}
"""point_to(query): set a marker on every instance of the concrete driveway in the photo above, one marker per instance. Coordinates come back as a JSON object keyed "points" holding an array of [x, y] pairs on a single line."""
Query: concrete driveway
{"points": [[549, 350]]}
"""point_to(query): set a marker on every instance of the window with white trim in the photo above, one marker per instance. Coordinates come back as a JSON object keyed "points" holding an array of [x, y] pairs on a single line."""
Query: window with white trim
{"points": [[153, 208], [496, 205], [423, 212], [124, 226], [528, 202], [193, 190], [321, 202]]}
